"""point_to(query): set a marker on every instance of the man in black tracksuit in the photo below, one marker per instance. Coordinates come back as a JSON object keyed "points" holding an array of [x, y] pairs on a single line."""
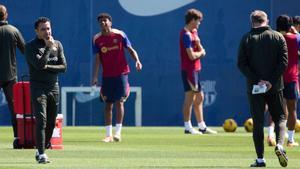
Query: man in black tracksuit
{"points": [[10, 39], [262, 59], [45, 58]]}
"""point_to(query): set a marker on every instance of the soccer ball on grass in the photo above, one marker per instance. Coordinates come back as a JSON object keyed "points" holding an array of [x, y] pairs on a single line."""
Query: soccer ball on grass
{"points": [[297, 126], [230, 125], [248, 125]]}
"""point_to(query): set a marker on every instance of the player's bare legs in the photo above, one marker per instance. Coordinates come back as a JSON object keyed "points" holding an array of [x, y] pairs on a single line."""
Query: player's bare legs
{"points": [[187, 105], [291, 105], [271, 135], [198, 109], [108, 122], [187, 111], [119, 119], [120, 112], [108, 113]]}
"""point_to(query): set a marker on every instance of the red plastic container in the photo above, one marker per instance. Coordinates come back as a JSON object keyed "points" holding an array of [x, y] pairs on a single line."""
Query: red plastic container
{"points": [[21, 95], [26, 131]]}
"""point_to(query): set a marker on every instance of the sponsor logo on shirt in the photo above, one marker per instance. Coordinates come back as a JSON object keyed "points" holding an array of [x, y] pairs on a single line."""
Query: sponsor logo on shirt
{"points": [[106, 49], [53, 59]]}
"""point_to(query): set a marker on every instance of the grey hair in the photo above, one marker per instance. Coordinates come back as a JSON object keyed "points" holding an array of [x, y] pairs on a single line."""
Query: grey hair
{"points": [[258, 17]]}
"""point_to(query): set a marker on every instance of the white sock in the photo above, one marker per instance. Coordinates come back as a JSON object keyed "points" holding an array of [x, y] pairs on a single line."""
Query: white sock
{"points": [[291, 135], [271, 131], [188, 125], [43, 156], [280, 146], [202, 125], [118, 129], [108, 130], [261, 160]]}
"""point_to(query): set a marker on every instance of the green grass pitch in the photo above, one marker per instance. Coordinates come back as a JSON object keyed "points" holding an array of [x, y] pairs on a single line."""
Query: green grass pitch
{"points": [[145, 147]]}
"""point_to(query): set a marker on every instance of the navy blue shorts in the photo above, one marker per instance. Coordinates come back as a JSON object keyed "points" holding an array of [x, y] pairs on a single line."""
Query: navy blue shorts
{"points": [[191, 81], [290, 91], [115, 89]]}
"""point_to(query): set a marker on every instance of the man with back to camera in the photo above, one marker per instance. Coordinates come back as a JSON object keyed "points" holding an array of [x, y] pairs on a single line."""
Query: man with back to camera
{"points": [[191, 51], [109, 45], [10, 39], [262, 58], [45, 58]]}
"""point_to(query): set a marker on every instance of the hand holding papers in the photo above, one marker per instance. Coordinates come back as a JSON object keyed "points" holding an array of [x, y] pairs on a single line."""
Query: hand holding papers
{"points": [[258, 89]]}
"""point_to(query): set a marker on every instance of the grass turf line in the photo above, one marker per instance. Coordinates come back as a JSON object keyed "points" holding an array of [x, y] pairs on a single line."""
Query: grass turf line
{"points": [[144, 147]]}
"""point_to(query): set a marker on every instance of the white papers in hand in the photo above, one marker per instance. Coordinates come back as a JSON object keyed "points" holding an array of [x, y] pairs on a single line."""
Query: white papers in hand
{"points": [[257, 89]]}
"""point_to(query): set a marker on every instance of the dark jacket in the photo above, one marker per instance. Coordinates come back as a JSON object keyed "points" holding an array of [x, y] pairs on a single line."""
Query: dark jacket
{"points": [[38, 56], [263, 56], [10, 38]]}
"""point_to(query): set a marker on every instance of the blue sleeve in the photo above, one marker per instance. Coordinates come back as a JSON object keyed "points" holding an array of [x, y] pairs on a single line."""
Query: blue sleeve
{"points": [[187, 41], [126, 41], [95, 48], [298, 41]]}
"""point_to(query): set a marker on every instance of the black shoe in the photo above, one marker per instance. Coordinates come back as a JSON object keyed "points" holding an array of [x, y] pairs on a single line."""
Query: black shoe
{"points": [[36, 156], [16, 144], [282, 157], [257, 164], [192, 131], [208, 131]]}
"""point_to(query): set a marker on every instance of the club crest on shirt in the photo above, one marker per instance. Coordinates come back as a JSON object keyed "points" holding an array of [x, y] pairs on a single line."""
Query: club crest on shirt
{"points": [[39, 99], [210, 94], [41, 50]]}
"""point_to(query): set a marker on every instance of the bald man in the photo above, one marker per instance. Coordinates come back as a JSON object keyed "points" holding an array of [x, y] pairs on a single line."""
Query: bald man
{"points": [[10, 39]]}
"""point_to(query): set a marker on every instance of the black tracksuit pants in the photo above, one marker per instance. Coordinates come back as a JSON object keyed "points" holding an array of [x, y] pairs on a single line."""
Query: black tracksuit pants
{"points": [[257, 108], [45, 103], [8, 91]]}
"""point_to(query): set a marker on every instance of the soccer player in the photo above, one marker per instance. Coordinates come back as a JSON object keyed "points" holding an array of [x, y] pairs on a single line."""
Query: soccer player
{"points": [[290, 76], [45, 58], [296, 24], [191, 51], [109, 45], [10, 39], [262, 58], [291, 36]]}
